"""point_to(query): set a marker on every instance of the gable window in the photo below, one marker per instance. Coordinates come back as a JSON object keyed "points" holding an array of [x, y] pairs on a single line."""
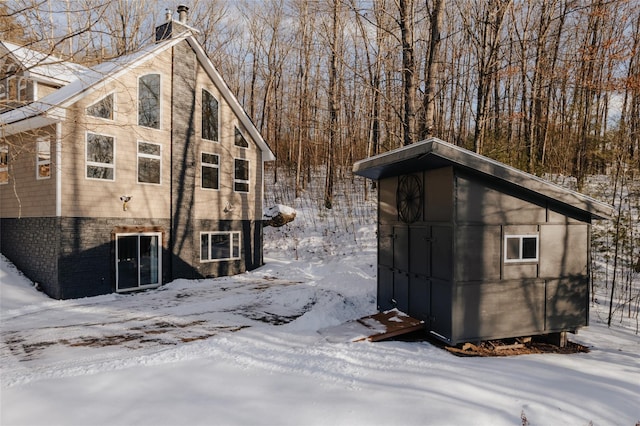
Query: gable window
{"points": [[149, 101], [100, 156], [240, 140], [103, 108], [43, 159], [209, 116], [521, 248], [241, 175], [149, 162], [210, 171], [4, 164], [219, 246]]}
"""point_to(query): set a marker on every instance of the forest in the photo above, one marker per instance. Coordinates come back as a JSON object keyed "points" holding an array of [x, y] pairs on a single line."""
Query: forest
{"points": [[551, 87]]}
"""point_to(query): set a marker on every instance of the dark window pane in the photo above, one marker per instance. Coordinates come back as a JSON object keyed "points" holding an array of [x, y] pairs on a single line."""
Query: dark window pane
{"points": [[149, 101], [236, 245], [103, 108], [240, 140], [209, 158], [204, 247], [241, 187], [529, 248], [148, 170], [99, 148], [149, 148], [220, 246], [127, 262], [513, 248], [210, 177], [95, 172], [241, 169], [209, 116]]}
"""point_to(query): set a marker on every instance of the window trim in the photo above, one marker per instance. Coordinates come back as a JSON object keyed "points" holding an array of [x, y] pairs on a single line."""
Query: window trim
{"points": [[150, 156], [521, 238], [210, 165], [159, 101], [231, 234], [5, 168], [96, 164], [247, 181], [202, 116], [43, 162], [113, 107]]}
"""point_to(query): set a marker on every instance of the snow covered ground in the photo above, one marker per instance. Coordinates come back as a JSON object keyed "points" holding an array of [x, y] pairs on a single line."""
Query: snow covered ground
{"points": [[245, 350]]}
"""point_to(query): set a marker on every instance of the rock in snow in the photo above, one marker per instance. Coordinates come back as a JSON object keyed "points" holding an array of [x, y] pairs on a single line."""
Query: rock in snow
{"points": [[278, 215]]}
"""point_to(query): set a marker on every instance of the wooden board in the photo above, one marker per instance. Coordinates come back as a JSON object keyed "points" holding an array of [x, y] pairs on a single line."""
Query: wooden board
{"points": [[376, 327]]}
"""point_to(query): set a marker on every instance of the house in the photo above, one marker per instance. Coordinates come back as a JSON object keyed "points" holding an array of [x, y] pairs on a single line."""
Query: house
{"points": [[479, 250], [128, 174]]}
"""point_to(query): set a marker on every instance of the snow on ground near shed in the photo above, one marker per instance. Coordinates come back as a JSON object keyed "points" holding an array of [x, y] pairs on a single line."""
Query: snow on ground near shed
{"points": [[246, 350]]}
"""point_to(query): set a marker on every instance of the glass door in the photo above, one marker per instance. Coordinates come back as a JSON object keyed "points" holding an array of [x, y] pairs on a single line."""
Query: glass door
{"points": [[138, 261]]}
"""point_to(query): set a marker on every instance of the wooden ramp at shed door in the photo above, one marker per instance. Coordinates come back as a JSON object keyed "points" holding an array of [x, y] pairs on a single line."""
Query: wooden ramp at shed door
{"points": [[380, 326]]}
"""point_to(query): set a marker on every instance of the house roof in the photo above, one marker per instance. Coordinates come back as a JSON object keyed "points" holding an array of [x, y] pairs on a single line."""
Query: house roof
{"points": [[44, 67], [51, 109], [434, 153]]}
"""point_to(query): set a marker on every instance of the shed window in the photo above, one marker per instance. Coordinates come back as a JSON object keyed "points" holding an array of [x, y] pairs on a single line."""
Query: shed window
{"points": [[149, 101], [521, 248], [209, 116], [219, 246]]}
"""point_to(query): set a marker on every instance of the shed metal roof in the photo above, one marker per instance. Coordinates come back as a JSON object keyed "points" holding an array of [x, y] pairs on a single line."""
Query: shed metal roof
{"points": [[434, 153]]}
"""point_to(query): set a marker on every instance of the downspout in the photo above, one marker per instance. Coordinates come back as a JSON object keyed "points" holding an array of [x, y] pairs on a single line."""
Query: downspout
{"points": [[170, 240], [58, 163]]}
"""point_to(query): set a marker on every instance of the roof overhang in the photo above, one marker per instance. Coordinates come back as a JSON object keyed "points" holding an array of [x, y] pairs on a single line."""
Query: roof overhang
{"points": [[28, 123], [434, 153]]}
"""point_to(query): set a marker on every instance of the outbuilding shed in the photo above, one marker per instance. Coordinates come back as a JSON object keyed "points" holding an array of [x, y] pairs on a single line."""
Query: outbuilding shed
{"points": [[477, 249]]}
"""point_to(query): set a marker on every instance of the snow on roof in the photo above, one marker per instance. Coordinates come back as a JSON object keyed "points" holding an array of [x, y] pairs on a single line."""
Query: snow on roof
{"points": [[83, 84], [44, 67], [90, 79]]}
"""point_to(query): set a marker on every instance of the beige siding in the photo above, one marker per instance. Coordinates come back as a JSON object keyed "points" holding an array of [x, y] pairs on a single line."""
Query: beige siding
{"points": [[25, 195], [83, 197], [211, 204], [101, 198]]}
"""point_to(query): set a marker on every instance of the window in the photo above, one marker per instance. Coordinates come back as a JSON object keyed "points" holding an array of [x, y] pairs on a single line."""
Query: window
{"points": [[4, 164], [149, 162], [22, 89], [43, 159], [219, 246], [241, 175], [100, 157], [210, 171], [209, 116], [240, 140], [149, 101], [103, 108], [521, 248]]}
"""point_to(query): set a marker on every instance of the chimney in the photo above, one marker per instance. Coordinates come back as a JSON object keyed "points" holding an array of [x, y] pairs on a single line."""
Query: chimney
{"points": [[182, 13], [167, 15]]}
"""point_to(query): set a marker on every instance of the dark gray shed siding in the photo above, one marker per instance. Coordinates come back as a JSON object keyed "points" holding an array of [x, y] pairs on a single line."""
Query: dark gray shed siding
{"points": [[447, 266]]}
